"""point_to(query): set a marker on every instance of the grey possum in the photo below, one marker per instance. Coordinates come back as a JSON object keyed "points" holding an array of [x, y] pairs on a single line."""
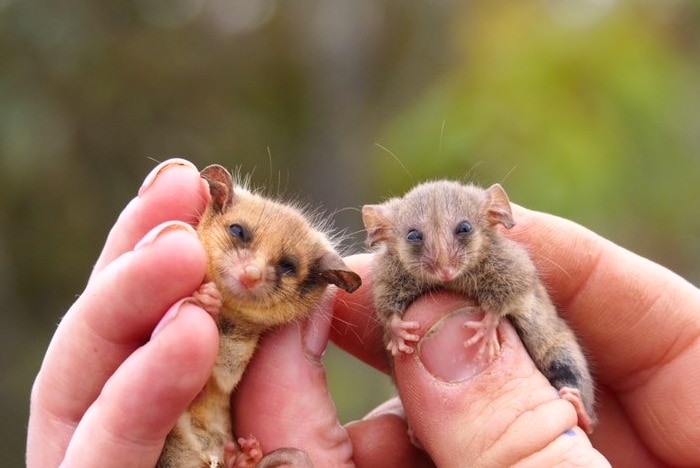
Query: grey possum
{"points": [[443, 235]]}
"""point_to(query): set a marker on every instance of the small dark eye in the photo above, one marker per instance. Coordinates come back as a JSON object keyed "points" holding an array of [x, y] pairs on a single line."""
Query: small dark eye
{"points": [[287, 267], [237, 231], [463, 228], [414, 236]]}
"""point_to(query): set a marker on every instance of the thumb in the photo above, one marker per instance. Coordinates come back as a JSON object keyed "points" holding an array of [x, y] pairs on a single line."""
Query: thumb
{"points": [[467, 412], [283, 399]]}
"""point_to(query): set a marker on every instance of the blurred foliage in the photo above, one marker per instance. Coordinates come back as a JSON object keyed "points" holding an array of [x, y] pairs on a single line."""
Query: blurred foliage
{"points": [[593, 116], [587, 109]]}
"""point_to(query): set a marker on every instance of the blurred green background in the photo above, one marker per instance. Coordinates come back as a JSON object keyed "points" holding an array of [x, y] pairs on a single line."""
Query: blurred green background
{"points": [[589, 109]]}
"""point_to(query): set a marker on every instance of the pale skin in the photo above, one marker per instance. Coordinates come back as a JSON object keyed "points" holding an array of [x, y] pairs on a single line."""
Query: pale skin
{"points": [[639, 322]]}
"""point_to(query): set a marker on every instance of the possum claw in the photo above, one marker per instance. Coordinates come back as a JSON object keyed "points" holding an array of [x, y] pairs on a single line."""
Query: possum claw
{"points": [[214, 462], [573, 396], [208, 297], [246, 454], [485, 335], [400, 334]]}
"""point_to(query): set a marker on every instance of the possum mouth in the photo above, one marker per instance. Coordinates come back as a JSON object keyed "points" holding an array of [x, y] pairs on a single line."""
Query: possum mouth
{"points": [[442, 273]]}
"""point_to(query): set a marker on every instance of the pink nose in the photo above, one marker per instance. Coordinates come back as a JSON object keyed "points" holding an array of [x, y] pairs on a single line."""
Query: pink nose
{"points": [[446, 274], [251, 276]]}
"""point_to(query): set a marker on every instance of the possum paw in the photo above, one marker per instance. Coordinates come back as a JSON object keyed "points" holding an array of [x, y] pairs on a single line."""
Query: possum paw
{"points": [[208, 298], [573, 396], [400, 336], [246, 454], [485, 335]]}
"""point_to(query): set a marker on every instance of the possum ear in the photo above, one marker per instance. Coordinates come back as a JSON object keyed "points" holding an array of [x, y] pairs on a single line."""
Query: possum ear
{"points": [[377, 223], [498, 207], [335, 271], [220, 186]]}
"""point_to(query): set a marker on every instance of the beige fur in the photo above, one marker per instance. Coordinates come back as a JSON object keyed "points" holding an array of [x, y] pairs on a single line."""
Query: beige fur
{"points": [[295, 262]]}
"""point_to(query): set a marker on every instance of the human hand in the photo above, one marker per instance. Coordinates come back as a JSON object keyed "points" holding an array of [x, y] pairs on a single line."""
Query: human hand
{"points": [[78, 419], [641, 325], [638, 321], [453, 416], [107, 394], [130, 354]]}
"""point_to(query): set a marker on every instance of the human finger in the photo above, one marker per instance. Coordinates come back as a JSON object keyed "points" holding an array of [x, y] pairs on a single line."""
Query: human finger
{"points": [[355, 326], [468, 412], [173, 190], [355, 330], [114, 316], [283, 399], [637, 320], [588, 277], [128, 422], [381, 439]]}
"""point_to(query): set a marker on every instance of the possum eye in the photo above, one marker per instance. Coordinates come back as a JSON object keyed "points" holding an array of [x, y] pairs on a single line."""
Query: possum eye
{"points": [[286, 267], [238, 232], [464, 228], [414, 236]]}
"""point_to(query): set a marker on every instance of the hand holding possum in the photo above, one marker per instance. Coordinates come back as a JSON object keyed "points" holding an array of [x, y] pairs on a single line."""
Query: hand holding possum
{"points": [[442, 236], [100, 357]]}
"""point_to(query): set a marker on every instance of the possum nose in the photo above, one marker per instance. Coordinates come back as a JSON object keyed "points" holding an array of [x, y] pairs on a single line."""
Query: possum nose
{"points": [[251, 276], [446, 273]]}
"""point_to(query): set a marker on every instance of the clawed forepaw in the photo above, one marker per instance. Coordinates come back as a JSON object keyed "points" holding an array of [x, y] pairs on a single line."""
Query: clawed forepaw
{"points": [[573, 396], [402, 337], [485, 336], [208, 298], [246, 454]]}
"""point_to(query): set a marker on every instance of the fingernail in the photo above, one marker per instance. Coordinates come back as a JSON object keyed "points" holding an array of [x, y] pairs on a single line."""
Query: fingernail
{"points": [[157, 231], [316, 328], [392, 406], [153, 175], [442, 350], [169, 316]]}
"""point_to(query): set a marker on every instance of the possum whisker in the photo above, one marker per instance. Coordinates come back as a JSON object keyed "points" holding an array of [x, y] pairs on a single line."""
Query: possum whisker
{"points": [[396, 158]]}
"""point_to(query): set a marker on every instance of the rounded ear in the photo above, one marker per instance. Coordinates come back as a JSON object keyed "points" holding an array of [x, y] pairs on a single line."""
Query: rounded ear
{"points": [[220, 186], [377, 223], [498, 207], [335, 271]]}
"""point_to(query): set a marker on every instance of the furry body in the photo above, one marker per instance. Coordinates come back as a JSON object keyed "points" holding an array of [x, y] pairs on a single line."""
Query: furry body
{"points": [[267, 265], [443, 235]]}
